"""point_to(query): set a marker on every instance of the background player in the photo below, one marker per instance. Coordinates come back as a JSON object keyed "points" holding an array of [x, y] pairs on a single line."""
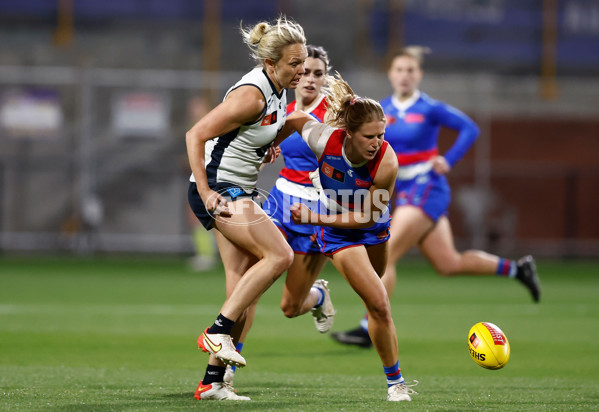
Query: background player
{"points": [[423, 194], [225, 149], [357, 171]]}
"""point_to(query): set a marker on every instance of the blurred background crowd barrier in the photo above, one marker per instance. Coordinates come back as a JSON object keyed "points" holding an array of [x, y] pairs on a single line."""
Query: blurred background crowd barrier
{"points": [[96, 97]]}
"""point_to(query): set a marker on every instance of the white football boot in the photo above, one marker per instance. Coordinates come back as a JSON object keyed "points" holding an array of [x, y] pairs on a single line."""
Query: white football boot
{"points": [[324, 315], [229, 375], [401, 392], [218, 391], [221, 346]]}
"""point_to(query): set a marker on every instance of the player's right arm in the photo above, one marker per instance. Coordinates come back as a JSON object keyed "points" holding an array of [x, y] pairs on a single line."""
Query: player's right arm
{"points": [[243, 105]]}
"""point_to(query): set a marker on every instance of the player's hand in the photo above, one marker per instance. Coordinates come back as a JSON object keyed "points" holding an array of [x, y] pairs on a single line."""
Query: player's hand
{"points": [[216, 204], [271, 154], [300, 213], [440, 165]]}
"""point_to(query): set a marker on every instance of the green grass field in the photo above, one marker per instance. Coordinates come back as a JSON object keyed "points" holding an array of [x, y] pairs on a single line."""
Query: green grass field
{"points": [[120, 334]]}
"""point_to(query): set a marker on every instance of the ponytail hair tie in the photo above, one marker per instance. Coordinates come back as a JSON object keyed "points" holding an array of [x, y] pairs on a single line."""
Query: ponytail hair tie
{"points": [[354, 100]]}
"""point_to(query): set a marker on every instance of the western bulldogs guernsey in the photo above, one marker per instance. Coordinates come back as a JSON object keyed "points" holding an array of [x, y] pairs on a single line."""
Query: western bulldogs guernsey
{"points": [[412, 131], [236, 156], [341, 180], [299, 159], [413, 128]]}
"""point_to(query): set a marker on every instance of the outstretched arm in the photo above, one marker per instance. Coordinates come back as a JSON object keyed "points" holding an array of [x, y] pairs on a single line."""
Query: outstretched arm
{"points": [[294, 123]]}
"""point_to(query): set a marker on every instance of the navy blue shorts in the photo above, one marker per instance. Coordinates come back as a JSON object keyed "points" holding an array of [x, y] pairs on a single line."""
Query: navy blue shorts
{"points": [[429, 191], [332, 240], [300, 237], [229, 191]]}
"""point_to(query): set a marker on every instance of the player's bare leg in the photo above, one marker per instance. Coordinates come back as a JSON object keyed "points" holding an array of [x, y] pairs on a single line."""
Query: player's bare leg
{"points": [[354, 264], [439, 248], [408, 227], [409, 224], [254, 232], [298, 296], [248, 228]]}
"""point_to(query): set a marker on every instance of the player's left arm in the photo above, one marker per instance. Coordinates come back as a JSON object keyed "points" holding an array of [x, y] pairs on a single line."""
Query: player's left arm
{"points": [[383, 183], [468, 131]]}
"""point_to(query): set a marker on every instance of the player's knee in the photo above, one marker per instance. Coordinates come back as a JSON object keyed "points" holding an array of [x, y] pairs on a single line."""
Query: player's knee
{"points": [[448, 268], [282, 260], [380, 310], [447, 271], [290, 309]]}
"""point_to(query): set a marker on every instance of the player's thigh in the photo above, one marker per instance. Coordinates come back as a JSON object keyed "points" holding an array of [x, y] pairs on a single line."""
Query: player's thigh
{"points": [[408, 226], [236, 260], [251, 229], [438, 245], [301, 275], [354, 264], [378, 256]]}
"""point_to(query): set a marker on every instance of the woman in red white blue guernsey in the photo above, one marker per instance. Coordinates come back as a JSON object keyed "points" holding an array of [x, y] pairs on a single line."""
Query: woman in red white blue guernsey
{"points": [[422, 191], [356, 174]]}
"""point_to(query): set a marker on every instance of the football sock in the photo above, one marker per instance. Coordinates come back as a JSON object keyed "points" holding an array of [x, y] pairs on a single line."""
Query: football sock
{"points": [[238, 348], [221, 325], [213, 374], [320, 298], [506, 267], [393, 374], [364, 323]]}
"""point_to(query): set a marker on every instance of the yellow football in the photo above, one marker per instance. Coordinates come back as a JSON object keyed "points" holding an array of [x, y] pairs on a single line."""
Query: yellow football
{"points": [[488, 345]]}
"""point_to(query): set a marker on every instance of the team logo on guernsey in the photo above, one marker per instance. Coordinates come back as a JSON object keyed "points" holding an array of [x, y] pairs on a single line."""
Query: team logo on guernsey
{"points": [[414, 118], [269, 119], [390, 119], [333, 173]]}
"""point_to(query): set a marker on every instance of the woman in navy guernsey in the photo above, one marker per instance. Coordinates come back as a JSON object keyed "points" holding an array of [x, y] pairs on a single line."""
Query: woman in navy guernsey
{"points": [[226, 148], [422, 192], [356, 173], [302, 292]]}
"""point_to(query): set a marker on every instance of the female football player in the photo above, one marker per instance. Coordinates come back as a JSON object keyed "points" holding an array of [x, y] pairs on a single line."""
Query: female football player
{"points": [[301, 292], [356, 174], [423, 194], [225, 150]]}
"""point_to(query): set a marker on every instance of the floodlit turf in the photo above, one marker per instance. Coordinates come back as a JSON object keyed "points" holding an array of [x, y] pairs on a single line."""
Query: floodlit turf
{"points": [[120, 334]]}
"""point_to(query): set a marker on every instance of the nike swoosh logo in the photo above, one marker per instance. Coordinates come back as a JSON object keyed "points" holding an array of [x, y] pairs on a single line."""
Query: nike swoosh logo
{"points": [[214, 348], [203, 388]]}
